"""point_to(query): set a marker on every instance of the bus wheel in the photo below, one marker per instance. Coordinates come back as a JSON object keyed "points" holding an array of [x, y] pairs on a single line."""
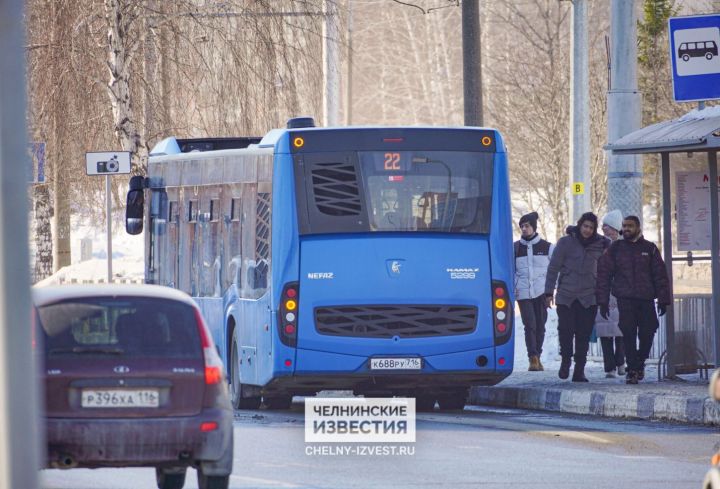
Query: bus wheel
{"points": [[708, 56], [425, 403], [686, 57], [280, 402], [236, 386], [452, 401]]}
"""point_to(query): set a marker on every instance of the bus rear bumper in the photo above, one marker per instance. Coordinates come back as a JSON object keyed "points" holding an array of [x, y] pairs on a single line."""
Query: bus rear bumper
{"points": [[316, 371]]}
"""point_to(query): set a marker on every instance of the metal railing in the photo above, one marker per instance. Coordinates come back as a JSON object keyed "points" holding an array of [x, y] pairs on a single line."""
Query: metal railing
{"points": [[693, 329]]}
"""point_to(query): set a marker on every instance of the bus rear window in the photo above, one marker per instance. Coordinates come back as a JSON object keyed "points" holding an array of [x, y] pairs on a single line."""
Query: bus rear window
{"points": [[403, 191]]}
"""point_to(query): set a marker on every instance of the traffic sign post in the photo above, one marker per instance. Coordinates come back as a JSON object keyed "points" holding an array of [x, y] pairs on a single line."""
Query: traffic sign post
{"points": [[695, 59], [36, 162], [108, 163]]}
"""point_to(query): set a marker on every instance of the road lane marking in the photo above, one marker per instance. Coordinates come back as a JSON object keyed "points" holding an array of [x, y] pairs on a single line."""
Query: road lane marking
{"points": [[267, 482], [515, 426]]}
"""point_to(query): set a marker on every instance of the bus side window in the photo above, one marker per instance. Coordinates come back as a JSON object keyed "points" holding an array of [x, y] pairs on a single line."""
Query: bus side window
{"points": [[158, 246], [262, 243], [232, 254]]}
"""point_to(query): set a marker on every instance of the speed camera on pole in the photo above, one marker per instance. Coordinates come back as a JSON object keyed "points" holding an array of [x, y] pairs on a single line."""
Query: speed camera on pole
{"points": [[108, 163]]}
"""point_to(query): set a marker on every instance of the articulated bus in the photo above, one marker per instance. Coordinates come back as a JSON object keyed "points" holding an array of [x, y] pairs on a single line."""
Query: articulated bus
{"points": [[371, 259]]}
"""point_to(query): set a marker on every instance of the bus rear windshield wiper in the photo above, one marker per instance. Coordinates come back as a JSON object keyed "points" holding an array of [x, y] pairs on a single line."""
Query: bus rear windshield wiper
{"points": [[89, 349]]}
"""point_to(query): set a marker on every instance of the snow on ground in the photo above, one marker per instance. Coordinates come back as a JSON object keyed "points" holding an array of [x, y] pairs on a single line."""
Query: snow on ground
{"points": [[127, 263], [550, 357]]}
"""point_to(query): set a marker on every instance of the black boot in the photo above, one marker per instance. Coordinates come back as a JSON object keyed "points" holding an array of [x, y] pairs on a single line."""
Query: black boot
{"points": [[632, 377], [564, 372], [579, 373]]}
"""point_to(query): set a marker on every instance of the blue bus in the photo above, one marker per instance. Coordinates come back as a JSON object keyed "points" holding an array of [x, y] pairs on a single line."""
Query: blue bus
{"points": [[371, 259]]}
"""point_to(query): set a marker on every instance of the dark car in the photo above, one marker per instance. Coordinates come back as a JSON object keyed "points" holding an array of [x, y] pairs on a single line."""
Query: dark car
{"points": [[133, 379]]}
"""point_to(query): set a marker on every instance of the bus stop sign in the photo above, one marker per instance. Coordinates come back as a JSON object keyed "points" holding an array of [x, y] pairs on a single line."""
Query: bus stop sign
{"points": [[694, 44]]}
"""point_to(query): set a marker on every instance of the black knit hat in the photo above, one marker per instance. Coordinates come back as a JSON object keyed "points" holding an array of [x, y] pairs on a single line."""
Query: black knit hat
{"points": [[530, 219]]}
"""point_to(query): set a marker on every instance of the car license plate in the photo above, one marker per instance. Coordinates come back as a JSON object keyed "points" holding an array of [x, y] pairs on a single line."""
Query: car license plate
{"points": [[395, 363], [120, 398]]}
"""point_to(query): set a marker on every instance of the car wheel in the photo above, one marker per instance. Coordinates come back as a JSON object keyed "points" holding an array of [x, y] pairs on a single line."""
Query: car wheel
{"points": [[236, 386], [169, 480], [212, 481], [280, 402], [708, 56], [452, 401], [425, 403], [686, 57]]}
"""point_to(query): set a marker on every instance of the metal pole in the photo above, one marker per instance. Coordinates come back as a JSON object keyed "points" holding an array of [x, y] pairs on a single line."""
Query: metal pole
{"points": [[715, 249], [19, 393], [667, 255], [108, 218], [579, 121], [625, 172], [472, 68], [331, 64], [348, 77]]}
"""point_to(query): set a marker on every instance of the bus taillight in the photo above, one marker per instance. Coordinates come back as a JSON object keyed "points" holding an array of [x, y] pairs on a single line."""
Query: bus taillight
{"points": [[288, 314], [502, 319]]}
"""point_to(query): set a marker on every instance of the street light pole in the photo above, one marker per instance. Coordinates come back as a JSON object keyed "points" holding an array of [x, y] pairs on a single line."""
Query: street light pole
{"points": [[579, 120], [625, 172], [19, 420], [331, 64], [472, 67]]}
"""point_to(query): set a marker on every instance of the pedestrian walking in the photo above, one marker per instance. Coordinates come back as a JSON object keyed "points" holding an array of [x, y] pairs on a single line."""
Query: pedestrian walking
{"points": [[611, 338], [573, 267], [532, 256], [634, 272]]}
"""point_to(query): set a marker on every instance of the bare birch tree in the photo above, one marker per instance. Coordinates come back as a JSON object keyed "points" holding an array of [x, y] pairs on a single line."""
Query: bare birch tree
{"points": [[105, 74]]}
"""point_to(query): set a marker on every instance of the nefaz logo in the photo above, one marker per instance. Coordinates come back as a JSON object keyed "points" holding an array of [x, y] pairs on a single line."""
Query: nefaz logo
{"points": [[321, 275], [462, 273]]}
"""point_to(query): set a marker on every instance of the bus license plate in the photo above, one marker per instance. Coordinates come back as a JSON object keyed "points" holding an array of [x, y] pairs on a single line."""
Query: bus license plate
{"points": [[120, 398], [395, 364]]}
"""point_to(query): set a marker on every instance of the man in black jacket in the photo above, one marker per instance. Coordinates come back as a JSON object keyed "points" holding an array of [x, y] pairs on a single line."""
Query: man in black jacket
{"points": [[634, 271]]}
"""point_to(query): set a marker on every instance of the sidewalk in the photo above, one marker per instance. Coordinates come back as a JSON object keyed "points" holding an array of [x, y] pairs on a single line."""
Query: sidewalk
{"points": [[678, 401]]}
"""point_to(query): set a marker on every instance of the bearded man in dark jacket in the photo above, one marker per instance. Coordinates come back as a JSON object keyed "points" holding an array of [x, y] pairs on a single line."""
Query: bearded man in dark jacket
{"points": [[634, 271], [573, 267]]}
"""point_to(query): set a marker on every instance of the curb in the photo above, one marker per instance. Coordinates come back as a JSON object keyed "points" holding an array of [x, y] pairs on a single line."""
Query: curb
{"points": [[683, 409]]}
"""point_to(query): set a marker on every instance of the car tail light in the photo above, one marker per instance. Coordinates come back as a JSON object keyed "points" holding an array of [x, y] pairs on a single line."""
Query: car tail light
{"points": [[213, 364], [288, 314], [502, 313], [208, 426]]}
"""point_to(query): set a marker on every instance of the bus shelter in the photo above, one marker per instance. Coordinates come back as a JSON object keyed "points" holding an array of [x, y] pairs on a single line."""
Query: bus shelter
{"points": [[696, 132]]}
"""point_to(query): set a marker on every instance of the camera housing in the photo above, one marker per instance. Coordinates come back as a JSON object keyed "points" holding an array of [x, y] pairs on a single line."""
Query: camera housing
{"points": [[110, 166]]}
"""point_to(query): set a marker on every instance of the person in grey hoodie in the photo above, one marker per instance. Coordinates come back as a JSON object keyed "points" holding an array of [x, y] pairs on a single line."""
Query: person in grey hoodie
{"points": [[532, 256], [573, 267]]}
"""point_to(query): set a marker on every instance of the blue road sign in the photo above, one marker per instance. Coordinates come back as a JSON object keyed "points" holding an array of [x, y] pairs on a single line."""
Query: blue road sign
{"points": [[694, 44], [36, 172]]}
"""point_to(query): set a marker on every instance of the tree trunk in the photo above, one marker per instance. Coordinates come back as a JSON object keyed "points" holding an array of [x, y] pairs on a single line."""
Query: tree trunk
{"points": [[119, 57], [60, 170], [43, 235]]}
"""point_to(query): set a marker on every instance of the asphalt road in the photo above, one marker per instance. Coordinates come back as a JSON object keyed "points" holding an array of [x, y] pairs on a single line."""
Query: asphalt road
{"points": [[488, 448]]}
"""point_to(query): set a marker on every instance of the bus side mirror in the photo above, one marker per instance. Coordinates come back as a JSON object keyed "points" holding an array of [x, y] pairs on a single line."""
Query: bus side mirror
{"points": [[135, 206], [714, 388]]}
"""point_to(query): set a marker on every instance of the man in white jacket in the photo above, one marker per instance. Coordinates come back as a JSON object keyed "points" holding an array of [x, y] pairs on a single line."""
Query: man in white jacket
{"points": [[532, 256]]}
